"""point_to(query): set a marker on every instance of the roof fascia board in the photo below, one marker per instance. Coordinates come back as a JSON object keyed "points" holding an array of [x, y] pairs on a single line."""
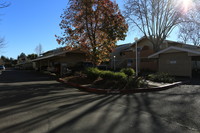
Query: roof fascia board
{"points": [[155, 55]]}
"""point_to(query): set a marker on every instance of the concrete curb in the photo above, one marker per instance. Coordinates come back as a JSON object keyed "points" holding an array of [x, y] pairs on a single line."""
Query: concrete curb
{"points": [[123, 91]]}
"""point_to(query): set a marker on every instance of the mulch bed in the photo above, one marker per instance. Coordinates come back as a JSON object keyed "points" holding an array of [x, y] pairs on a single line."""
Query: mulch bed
{"points": [[106, 87], [78, 80], [98, 84], [109, 87]]}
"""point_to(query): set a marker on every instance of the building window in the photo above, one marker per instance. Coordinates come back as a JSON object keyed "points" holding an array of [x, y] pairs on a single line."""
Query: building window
{"points": [[130, 60]]}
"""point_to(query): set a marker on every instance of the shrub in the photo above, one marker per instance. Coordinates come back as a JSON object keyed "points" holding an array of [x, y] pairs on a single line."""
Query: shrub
{"points": [[119, 76], [92, 73], [161, 77], [119, 80], [128, 71], [108, 75], [140, 82], [136, 82]]}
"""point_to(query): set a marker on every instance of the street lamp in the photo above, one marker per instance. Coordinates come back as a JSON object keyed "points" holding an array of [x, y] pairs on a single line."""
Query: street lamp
{"points": [[114, 62], [136, 61]]}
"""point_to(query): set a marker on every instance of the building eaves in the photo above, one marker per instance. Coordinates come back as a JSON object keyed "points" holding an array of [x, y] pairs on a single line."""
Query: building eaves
{"points": [[49, 56], [58, 53], [155, 55]]}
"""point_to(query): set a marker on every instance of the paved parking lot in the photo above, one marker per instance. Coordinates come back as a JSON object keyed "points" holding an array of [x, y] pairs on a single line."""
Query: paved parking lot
{"points": [[35, 103]]}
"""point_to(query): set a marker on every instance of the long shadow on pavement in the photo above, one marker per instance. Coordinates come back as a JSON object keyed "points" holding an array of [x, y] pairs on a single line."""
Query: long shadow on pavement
{"points": [[57, 108], [11, 76]]}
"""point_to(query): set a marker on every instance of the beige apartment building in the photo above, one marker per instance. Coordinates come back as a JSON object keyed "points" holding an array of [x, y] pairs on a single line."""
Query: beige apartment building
{"points": [[176, 58]]}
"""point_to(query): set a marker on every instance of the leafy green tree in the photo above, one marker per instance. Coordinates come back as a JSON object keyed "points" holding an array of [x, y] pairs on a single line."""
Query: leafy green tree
{"points": [[94, 26], [8, 62], [22, 58], [3, 58], [32, 56], [22, 55]]}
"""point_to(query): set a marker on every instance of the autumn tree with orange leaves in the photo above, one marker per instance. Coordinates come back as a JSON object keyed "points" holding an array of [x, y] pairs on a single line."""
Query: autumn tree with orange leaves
{"points": [[94, 26]]}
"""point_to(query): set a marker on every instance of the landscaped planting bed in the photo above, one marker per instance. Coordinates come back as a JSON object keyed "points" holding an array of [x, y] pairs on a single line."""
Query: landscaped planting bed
{"points": [[125, 81]]}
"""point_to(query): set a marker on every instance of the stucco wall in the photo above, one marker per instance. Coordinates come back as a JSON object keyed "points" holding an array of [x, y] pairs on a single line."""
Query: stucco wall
{"points": [[178, 64]]}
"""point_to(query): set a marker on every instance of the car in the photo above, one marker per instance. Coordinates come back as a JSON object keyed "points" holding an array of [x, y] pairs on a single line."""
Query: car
{"points": [[2, 67]]}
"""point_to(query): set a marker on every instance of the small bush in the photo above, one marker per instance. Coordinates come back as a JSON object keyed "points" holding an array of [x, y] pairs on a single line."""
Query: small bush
{"points": [[128, 71], [106, 75], [140, 82], [109, 75], [119, 80], [92, 73], [136, 82], [119, 76], [161, 77]]}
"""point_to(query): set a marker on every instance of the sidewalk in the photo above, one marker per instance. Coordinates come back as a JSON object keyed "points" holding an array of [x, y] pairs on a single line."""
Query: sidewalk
{"points": [[156, 84]]}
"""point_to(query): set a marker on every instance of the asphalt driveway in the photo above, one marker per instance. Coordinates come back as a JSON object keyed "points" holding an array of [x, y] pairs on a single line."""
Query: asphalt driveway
{"points": [[31, 102]]}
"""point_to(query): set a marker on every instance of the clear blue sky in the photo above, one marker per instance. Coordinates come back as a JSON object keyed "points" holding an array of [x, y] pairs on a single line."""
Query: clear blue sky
{"points": [[28, 23]]}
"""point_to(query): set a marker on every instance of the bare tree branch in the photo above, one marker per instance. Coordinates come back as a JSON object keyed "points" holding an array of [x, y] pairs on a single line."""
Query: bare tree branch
{"points": [[2, 40], [2, 43], [4, 4], [189, 30], [154, 18], [39, 50]]}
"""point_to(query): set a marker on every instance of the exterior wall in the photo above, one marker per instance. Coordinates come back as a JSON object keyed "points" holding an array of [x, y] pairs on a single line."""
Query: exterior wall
{"points": [[126, 58], [26, 66], [146, 48], [143, 62], [145, 42], [119, 55], [177, 64], [71, 59], [59, 64]]}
